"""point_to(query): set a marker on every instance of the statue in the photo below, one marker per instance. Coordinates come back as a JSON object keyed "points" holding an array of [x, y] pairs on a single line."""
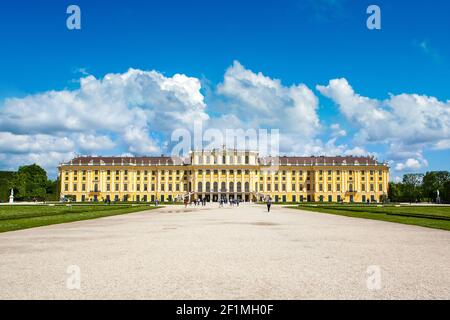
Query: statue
{"points": [[438, 199], [11, 197]]}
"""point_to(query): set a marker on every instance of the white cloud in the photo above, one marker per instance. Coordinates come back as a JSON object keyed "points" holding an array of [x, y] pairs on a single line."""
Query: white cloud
{"points": [[408, 123], [411, 164], [118, 110], [337, 131], [259, 101], [136, 111]]}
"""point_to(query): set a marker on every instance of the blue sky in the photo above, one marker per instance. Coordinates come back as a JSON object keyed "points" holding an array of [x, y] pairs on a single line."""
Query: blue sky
{"points": [[228, 51]]}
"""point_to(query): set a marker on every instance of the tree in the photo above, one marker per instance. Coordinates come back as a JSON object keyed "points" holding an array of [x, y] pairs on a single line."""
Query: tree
{"points": [[31, 183], [6, 183], [412, 186], [433, 181], [446, 192], [394, 192]]}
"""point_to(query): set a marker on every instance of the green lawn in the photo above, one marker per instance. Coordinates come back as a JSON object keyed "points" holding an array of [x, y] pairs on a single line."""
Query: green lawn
{"points": [[426, 216], [22, 217]]}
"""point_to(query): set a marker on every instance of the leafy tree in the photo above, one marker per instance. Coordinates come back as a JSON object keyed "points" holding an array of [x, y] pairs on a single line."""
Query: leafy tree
{"points": [[446, 192], [433, 181], [6, 183], [31, 183], [394, 192], [412, 186]]}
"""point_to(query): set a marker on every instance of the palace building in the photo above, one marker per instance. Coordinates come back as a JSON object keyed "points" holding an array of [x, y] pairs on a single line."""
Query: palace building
{"points": [[226, 173]]}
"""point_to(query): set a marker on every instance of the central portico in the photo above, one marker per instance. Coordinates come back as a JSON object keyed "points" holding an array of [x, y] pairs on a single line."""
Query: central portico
{"points": [[225, 173]]}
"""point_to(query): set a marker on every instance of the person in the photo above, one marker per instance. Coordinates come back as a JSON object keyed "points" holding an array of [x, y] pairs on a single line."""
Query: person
{"points": [[237, 202], [156, 202], [185, 202], [269, 203]]}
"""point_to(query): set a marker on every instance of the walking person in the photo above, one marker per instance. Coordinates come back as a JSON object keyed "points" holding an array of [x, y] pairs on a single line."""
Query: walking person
{"points": [[269, 203]]}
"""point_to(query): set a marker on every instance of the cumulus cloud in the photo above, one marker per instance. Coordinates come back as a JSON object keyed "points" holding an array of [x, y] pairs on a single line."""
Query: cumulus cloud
{"points": [[411, 164], [256, 101], [118, 110], [135, 113], [408, 123]]}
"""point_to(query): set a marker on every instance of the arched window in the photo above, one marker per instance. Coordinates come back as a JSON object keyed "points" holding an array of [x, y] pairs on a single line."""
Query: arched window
{"points": [[231, 187], [247, 187], [200, 187], [216, 187], [208, 187], [223, 187], [239, 187], [350, 187]]}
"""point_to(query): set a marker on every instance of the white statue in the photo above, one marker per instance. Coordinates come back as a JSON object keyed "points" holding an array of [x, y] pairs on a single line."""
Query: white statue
{"points": [[11, 197]]}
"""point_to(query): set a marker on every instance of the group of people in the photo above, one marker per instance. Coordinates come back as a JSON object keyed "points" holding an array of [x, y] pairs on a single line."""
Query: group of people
{"points": [[195, 202], [233, 202], [222, 202]]}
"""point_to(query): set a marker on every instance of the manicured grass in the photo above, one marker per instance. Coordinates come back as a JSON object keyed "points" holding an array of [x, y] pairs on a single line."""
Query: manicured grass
{"points": [[437, 217], [22, 217]]}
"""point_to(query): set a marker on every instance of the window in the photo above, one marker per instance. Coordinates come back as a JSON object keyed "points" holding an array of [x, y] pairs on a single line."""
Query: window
{"points": [[117, 187], [293, 187], [276, 186], [108, 187], [363, 187], [75, 187], [338, 187], [320, 187], [329, 187], [371, 187], [380, 187], [66, 187], [83, 187], [125, 187], [162, 186]]}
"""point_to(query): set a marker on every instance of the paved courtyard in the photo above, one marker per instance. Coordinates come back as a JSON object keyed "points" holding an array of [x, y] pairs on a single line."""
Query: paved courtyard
{"points": [[226, 253]]}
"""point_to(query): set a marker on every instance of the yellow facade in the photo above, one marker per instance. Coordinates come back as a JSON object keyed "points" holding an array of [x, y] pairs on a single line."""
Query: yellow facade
{"points": [[232, 174]]}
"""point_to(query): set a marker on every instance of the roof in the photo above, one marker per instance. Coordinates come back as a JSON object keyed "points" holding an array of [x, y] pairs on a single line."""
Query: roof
{"points": [[283, 160], [320, 160], [91, 160]]}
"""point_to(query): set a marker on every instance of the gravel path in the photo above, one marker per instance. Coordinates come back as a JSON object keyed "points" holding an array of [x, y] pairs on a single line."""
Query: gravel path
{"points": [[226, 253]]}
